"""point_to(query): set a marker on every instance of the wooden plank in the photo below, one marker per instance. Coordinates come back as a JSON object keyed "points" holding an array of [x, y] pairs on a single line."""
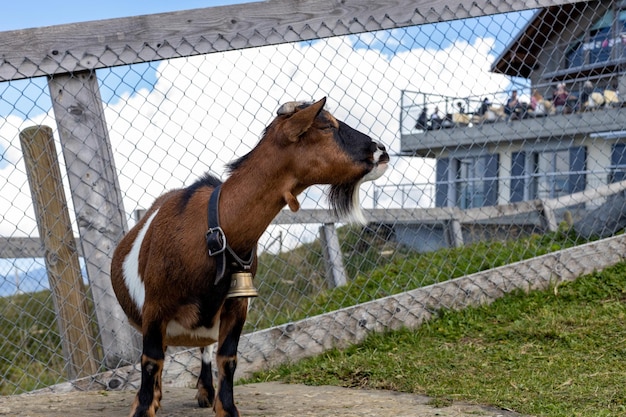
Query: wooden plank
{"points": [[107, 43], [97, 202], [14, 247], [413, 215], [61, 256], [21, 247]]}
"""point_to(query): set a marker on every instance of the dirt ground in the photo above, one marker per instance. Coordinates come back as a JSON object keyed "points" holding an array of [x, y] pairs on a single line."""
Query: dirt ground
{"points": [[254, 400]]}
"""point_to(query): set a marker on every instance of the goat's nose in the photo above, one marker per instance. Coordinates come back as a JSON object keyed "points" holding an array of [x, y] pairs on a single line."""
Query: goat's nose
{"points": [[376, 146]]}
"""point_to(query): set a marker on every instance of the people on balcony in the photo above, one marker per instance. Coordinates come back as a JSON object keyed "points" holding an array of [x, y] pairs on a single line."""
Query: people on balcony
{"points": [[422, 120], [435, 119], [536, 102], [484, 107], [562, 100], [538, 105], [513, 108], [611, 96]]}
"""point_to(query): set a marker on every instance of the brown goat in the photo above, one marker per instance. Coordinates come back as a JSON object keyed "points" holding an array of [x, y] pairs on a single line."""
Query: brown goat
{"points": [[171, 287]]}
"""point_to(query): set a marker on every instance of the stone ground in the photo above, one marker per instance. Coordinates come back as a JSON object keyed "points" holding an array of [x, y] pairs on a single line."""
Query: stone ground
{"points": [[254, 400]]}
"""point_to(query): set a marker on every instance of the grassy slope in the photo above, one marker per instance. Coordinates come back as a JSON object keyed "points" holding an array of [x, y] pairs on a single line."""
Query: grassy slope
{"points": [[552, 353]]}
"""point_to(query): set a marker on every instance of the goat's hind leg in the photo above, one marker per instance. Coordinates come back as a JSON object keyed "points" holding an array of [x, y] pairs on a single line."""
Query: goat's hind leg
{"points": [[232, 319], [148, 399], [206, 391]]}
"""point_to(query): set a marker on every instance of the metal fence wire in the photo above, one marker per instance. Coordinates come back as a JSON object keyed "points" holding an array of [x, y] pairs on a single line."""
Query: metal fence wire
{"points": [[478, 180]]}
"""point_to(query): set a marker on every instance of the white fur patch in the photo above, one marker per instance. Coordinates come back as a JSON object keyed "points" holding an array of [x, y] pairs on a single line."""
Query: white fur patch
{"points": [[379, 170], [356, 215], [175, 329], [130, 267]]}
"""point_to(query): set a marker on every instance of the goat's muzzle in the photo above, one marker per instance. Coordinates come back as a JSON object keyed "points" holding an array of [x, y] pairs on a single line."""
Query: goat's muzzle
{"points": [[381, 162]]}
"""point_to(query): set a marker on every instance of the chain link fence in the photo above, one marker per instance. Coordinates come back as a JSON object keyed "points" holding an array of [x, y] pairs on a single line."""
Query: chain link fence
{"points": [[479, 182]]}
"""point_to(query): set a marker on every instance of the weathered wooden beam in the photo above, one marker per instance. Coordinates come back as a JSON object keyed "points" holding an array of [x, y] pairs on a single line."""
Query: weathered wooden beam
{"points": [[61, 255], [21, 247], [97, 202], [113, 42]]}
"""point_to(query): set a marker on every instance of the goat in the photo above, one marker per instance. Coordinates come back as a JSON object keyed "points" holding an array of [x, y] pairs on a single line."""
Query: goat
{"points": [[166, 273]]}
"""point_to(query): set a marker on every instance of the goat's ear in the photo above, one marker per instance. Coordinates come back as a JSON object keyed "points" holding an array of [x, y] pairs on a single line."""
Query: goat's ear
{"points": [[302, 120]]}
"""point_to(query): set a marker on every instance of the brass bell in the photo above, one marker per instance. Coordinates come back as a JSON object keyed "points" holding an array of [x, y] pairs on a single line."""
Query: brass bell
{"points": [[241, 285]]}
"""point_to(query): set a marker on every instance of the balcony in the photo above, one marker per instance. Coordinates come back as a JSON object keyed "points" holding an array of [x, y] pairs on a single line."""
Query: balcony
{"points": [[431, 143]]}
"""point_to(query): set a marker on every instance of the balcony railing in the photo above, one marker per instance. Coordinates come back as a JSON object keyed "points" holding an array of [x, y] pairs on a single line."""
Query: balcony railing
{"points": [[471, 129]]}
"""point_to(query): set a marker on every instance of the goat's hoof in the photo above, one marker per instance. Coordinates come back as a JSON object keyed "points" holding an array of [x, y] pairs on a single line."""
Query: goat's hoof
{"points": [[205, 399], [151, 412], [204, 403], [139, 411]]}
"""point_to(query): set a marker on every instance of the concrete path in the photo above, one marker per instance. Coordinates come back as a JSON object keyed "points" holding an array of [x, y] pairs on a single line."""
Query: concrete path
{"points": [[254, 400]]}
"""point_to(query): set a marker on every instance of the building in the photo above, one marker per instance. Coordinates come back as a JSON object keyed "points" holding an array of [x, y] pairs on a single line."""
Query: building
{"points": [[487, 161]]}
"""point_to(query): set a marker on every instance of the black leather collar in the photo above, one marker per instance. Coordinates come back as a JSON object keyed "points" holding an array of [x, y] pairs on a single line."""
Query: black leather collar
{"points": [[218, 245]]}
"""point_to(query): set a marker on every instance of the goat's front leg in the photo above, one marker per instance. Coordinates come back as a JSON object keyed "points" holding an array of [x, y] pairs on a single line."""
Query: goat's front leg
{"points": [[232, 319], [206, 392], [148, 399]]}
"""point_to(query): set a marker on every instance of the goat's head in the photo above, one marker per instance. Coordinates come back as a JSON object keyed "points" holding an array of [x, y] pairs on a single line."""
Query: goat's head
{"points": [[333, 152]]}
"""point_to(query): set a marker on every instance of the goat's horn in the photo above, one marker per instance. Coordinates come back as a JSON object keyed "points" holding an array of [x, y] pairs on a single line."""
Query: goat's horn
{"points": [[290, 107]]}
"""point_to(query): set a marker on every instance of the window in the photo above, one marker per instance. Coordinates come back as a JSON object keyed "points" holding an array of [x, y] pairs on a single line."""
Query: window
{"points": [[467, 182], [550, 174], [470, 187], [547, 174], [618, 163]]}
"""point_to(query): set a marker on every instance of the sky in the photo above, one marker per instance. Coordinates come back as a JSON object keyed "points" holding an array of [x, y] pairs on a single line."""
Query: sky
{"points": [[37, 13]]}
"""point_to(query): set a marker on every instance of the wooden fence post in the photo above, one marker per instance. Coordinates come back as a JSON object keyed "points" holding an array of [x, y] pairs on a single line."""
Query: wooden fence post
{"points": [[335, 272], [97, 201], [453, 232], [61, 255], [547, 217]]}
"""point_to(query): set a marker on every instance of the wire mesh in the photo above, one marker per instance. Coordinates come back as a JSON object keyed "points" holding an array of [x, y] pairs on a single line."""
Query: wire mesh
{"points": [[482, 181]]}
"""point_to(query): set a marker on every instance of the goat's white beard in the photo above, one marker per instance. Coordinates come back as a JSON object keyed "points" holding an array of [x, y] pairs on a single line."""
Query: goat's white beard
{"points": [[356, 216]]}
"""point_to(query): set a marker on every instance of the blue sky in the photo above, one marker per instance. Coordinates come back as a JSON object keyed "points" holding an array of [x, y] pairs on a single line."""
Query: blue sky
{"points": [[37, 13]]}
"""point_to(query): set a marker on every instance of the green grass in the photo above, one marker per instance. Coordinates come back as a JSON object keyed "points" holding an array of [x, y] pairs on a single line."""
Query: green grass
{"points": [[551, 353], [292, 285], [30, 354]]}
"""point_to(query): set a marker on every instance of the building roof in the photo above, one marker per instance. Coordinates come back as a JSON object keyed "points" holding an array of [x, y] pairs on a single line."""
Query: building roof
{"points": [[519, 58]]}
